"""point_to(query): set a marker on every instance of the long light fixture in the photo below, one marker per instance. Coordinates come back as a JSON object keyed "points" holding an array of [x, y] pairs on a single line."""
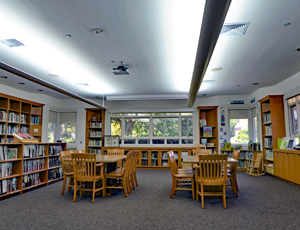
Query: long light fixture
{"points": [[147, 97]]}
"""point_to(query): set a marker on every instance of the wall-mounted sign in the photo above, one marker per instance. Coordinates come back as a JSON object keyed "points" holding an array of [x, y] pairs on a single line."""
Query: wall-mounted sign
{"points": [[237, 102]]}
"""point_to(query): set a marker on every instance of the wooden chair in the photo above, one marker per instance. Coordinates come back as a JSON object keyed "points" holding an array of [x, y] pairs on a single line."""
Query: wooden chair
{"points": [[72, 151], [116, 152], [181, 179], [253, 166], [200, 146], [231, 173], [80, 151], [197, 152], [84, 166], [123, 174], [132, 171], [67, 168], [209, 172]]}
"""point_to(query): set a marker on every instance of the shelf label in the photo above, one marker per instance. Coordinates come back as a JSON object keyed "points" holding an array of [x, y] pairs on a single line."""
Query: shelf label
{"points": [[35, 130]]}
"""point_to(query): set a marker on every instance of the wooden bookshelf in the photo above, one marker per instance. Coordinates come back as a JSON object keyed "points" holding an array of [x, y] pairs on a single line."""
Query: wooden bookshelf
{"points": [[19, 116], [210, 115], [273, 127], [31, 167], [94, 130]]}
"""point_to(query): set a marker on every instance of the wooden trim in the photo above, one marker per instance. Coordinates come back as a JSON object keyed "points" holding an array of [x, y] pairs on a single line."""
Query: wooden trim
{"points": [[20, 99]]}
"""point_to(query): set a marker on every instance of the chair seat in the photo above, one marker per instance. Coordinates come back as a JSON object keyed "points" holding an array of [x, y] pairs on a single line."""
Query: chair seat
{"points": [[116, 173], [182, 175]]}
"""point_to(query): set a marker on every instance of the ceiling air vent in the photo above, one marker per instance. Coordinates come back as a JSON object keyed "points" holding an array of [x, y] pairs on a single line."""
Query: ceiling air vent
{"points": [[208, 81], [12, 42], [234, 28]]}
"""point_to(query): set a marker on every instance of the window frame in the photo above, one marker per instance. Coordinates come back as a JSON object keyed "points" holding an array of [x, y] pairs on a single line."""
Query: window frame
{"points": [[123, 116]]}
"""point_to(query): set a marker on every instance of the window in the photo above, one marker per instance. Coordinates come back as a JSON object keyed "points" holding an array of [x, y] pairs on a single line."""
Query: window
{"points": [[254, 136], [62, 126], [293, 105], [52, 126], [67, 126], [157, 128], [239, 132]]}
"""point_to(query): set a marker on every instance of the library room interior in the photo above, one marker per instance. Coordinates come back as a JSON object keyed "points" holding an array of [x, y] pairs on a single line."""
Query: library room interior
{"points": [[149, 114]]}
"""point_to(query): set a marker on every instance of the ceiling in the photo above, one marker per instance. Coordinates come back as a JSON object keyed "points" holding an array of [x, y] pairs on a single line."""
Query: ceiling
{"points": [[156, 39]]}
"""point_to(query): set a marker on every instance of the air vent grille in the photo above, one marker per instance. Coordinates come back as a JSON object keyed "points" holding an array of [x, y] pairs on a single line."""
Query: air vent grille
{"points": [[12, 42], [208, 81], [234, 28]]}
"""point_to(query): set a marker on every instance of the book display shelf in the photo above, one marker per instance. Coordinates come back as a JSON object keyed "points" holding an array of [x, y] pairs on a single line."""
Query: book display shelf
{"points": [[19, 116], [273, 127], [208, 120], [24, 166], [94, 130]]}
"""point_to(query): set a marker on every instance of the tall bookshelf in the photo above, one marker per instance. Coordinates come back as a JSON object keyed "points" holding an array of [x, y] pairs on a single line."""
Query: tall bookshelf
{"points": [[209, 114], [273, 127], [25, 166], [18, 115], [94, 130]]}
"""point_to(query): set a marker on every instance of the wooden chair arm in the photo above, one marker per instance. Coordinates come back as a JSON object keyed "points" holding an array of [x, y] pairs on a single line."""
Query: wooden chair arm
{"points": [[196, 170]]}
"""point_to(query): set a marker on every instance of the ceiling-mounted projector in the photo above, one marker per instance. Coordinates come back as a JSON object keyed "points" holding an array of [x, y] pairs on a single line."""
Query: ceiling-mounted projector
{"points": [[120, 70]]}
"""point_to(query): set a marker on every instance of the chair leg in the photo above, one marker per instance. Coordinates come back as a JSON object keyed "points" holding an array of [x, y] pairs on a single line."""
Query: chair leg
{"points": [[237, 188], [124, 187], [71, 182], [80, 187], [197, 194], [193, 188], [64, 186], [174, 182], [132, 181], [202, 196], [94, 187], [135, 179], [75, 190], [128, 184], [224, 196], [104, 187], [234, 188]]}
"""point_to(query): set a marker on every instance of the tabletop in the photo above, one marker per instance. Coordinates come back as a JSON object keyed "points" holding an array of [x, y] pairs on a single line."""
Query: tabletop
{"points": [[107, 158], [195, 159]]}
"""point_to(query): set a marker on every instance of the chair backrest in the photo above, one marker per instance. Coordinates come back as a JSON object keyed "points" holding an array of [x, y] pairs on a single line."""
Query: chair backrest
{"points": [[84, 166], [66, 166], [200, 146], [173, 164], [80, 151], [211, 169], [115, 151], [197, 152], [135, 159], [73, 151], [128, 162], [257, 161]]}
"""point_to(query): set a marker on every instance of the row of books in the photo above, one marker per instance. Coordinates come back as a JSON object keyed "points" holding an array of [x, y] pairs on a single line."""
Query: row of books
{"points": [[95, 124], [268, 142], [34, 150], [54, 161], [95, 143], [10, 140], [242, 164], [23, 119], [267, 118], [268, 130], [254, 146], [55, 174], [6, 169], [24, 129], [12, 129], [144, 154], [31, 179], [154, 162], [13, 117], [164, 156], [8, 153], [96, 151], [2, 139], [8, 185], [54, 149], [164, 163], [144, 162], [2, 128], [269, 154], [3, 115], [94, 133], [33, 165], [154, 155], [35, 120]]}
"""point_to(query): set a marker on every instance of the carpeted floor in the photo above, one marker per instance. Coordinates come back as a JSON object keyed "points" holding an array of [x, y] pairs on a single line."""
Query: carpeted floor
{"points": [[263, 203]]}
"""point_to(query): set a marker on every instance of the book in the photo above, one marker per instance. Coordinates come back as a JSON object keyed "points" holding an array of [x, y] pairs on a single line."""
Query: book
{"points": [[227, 147], [238, 147], [12, 153], [204, 141], [202, 122], [207, 131]]}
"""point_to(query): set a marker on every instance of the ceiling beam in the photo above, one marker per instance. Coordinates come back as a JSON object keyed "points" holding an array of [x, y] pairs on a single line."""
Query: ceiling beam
{"points": [[214, 15], [29, 77]]}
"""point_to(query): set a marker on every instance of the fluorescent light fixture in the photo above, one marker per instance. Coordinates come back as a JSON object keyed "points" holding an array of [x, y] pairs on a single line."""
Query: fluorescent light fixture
{"points": [[147, 97], [46, 56]]}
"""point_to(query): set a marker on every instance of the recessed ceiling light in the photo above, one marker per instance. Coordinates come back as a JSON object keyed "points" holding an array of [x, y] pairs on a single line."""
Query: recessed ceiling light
{"points": [[204, 94], [255, 83], [53, 75], [97, 31], [287, 24], [297, 50], [238, 85], [113, 62], [3, 77], [22, 83], [68, 36], [208, 81], [216, 69], [41, 90]]}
